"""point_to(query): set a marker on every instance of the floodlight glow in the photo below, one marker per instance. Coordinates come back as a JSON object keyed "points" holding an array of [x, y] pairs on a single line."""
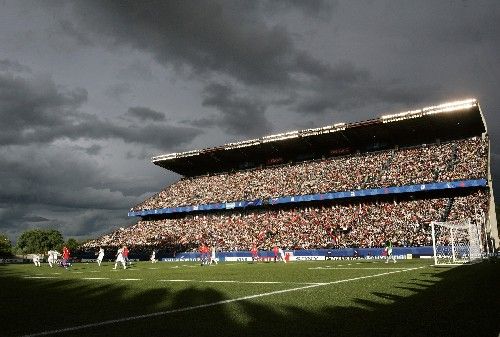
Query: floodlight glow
{"points": [[280, 136], [164, 157], [188, 154], [245, 143], [445, 107]]}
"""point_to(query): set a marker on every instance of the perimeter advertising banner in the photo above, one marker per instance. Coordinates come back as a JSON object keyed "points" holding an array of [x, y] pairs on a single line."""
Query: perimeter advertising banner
{"points": [[316, 197]]}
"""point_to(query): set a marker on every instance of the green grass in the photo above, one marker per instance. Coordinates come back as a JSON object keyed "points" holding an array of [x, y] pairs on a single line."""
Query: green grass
{"points": [[327, 298]]}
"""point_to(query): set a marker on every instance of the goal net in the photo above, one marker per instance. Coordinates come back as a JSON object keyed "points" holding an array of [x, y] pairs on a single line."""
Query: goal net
{"points": [[456, 242]]}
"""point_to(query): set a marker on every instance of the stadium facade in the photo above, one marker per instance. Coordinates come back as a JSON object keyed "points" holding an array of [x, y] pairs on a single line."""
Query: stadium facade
{"points": [[344, 185]]}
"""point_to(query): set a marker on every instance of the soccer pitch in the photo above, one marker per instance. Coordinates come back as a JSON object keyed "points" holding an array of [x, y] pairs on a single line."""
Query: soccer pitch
{"points": [[326, 298]]}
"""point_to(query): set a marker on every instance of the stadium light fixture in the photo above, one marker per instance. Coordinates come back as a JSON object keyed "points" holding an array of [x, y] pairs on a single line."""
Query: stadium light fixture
{"points": [[445, 107], [451, 106], [241, 144], [164, 157], [325, 129], [188, 154], [280, 136]]}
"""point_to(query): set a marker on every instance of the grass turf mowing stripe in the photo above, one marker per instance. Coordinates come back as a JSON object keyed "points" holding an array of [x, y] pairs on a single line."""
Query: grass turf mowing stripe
{"points": [[162, 313]]}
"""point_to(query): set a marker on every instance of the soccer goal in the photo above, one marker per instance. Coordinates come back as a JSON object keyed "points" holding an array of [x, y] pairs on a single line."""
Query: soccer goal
{"points": [[456, 242]]}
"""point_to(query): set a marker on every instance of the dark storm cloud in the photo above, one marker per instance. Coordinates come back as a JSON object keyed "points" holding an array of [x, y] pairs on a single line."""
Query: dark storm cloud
{"points": [[35, 219], [37, 111], [348, 98], [56, 178], [315, 8], [56, 187], [231, 38], [143, 114], [239, 115], [118, 90], [9, 65], [93, 150], [69, 29], [206, 37]]}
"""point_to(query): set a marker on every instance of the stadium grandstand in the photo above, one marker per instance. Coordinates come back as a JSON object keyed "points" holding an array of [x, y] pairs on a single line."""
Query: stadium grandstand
{"points": [[340, 188]]}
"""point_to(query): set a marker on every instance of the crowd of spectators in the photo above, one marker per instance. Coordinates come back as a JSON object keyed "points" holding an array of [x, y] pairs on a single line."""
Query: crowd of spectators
{"points": [[335, 225], [463, 159]]}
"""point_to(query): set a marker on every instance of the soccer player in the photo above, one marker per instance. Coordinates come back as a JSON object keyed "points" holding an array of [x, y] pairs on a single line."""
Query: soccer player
{"points": [[388, 248], [153, 257], [36, 260], [275, 251], [212, 258], [282, 255], [255, 253], [203, 254], [120, 258], [125, 255], [100, 256], [65, 257], [52, 257]]}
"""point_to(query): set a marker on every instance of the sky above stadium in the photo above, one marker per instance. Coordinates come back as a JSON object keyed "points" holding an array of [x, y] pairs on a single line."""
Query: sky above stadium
{"points": [[90, 90]]}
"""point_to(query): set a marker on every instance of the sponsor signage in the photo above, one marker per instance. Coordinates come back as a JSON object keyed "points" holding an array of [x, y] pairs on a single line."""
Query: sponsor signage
{"points": [[316, 197]]}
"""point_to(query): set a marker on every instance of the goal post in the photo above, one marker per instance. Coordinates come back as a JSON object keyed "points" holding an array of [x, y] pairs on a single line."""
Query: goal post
{"points": [[456, 242]]}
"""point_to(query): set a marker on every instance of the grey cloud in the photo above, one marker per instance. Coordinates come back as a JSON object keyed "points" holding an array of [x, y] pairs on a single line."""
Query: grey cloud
{"points": [[93, 149], [118, 90], [231, 39], [37, 111], [215, 37], [79, 36], [10, 65], [35, 218], [356, 91], [143, 114], [137, 70], [316, 8], [239, 115]]}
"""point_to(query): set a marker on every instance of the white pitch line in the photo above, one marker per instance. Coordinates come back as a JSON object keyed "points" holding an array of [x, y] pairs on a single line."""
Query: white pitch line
{"points": [[163, 313], [176, 280], [345, 268], [95, 278], [40, 277], [130, 279]]}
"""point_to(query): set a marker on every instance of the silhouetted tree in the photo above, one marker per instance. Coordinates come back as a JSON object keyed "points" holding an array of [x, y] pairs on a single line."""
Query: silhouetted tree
{"points": [[39, 241], [5, 246]]}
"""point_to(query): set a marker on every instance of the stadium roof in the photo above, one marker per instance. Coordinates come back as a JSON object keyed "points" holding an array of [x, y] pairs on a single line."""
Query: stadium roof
{"points": [[449, 121]]}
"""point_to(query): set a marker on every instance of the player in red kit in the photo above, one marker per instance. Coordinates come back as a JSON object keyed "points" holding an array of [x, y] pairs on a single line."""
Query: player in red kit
{"points": [[275, 251], [65, 257], [125, 255], [255, 254]]}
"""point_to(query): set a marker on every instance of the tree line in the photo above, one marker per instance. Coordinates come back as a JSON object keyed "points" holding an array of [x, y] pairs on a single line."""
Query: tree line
{"points": [[35, 241]]}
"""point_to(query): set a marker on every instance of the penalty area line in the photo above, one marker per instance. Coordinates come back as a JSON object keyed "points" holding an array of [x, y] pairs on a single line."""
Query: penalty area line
{"points": [[195, 307]]}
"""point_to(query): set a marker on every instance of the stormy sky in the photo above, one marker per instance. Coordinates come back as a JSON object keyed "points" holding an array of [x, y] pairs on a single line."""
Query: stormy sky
{"points": [[90, 90]]}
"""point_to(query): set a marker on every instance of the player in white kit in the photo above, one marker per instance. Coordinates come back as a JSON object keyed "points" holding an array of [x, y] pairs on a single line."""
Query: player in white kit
{"points": [[52, 257], [282, 254], [100, 256], [120, 258], [213, 259], [36, 260], [153, 257]]}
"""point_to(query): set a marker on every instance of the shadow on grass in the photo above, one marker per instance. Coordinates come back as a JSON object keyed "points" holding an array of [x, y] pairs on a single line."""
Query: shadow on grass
{"points": [[460, 302]]}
